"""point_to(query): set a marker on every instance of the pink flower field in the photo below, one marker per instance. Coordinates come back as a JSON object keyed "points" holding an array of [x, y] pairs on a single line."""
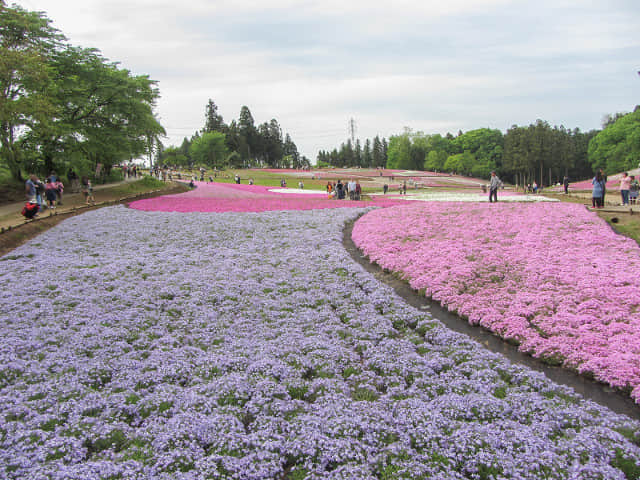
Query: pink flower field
{"points": [[226, 197], [553, 278]]}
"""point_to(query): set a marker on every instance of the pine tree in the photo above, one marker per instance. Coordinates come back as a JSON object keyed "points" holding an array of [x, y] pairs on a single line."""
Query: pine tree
{"points": [[213, 121]]}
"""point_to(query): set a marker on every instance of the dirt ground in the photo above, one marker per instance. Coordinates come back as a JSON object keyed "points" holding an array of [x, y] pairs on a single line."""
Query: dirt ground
{"points": [[14, 230]]}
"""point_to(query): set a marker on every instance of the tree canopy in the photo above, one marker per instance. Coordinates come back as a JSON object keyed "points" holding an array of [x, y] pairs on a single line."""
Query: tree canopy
{"points": [[246, 145], [62, 105], [617, 147]]}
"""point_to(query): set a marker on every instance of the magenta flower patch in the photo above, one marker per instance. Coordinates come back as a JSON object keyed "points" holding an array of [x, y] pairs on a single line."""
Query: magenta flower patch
{"points": [[223, 197], [552, 277]]}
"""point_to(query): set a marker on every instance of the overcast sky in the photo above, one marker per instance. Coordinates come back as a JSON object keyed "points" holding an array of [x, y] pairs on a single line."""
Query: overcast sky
{"points": [[434, 66]]}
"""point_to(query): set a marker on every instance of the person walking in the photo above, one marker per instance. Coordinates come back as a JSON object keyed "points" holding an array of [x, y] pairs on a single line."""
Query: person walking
{"points": [[625, 185], [494, 184], [597, 193]]}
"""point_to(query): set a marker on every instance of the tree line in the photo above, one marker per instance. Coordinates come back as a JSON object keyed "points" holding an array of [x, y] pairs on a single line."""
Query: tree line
{"points": [[63, 105], [240, 144], [524, 154], [353, 154]]}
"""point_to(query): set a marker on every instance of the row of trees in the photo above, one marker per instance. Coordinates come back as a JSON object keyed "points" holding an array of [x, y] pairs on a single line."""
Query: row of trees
{"points": [[537, 152], [524, 154], [372, 155], [238, 145], [64, 106]]}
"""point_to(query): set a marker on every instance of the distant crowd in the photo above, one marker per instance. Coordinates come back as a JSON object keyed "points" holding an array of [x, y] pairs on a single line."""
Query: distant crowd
{"points": [[339, 190]]}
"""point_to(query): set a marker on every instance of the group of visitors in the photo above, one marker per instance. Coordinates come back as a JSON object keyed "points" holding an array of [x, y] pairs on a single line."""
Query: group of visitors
{"points": [[129, 171], [339, 190], [48, 194], [39, 192]]}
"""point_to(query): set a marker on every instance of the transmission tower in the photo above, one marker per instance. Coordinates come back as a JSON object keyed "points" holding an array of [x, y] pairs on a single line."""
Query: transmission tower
{"points": [[352, 130]]}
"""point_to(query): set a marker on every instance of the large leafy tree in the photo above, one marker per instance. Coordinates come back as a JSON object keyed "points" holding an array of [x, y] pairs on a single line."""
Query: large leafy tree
{"points": [[399, 153], [27, 40], [617, 147], [210, 149], [60, 102], [100, 110]]}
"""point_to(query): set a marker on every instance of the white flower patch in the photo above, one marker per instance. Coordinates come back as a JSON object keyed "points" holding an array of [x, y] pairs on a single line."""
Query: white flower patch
{"points": [[473, 197]]}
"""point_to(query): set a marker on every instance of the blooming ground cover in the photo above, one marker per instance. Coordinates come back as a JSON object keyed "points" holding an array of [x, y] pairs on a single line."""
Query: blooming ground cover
{"points": [[462, 196], [251, 346], [225, 197], [552, 277]]}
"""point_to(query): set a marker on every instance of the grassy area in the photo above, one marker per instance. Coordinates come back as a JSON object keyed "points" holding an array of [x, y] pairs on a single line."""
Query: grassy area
{"points": [[624, 223], [139, 186]]}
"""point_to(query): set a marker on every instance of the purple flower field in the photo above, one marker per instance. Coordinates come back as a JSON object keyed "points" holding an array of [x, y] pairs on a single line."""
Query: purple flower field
{"points": [[149, 345], [555, 278]]}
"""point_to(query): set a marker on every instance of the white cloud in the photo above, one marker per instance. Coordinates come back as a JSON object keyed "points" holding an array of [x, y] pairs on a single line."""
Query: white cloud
{"points": [[434, 66]]}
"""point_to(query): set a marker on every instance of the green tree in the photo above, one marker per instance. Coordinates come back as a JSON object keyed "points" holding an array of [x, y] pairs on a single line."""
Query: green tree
{"points": [[213, 120], [367, 157], [399, 152], [27, 39], [291, 150], [210, 150], [617, 147], [453, 163], [379, 158], [100, 110], [250, 145], [435, 160]]}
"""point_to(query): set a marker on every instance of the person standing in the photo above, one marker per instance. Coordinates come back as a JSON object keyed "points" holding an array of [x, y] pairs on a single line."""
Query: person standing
{"points": [[604, 186], [494, 184], [351, 187], [87, 190], [625, 185], [73, 179], [31, 189], [634, 188], [51, 193], [565, 183], [597, 193]]}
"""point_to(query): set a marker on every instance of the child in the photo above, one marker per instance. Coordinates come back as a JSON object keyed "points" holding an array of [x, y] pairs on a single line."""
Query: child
{"points": [[87, 190]]}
